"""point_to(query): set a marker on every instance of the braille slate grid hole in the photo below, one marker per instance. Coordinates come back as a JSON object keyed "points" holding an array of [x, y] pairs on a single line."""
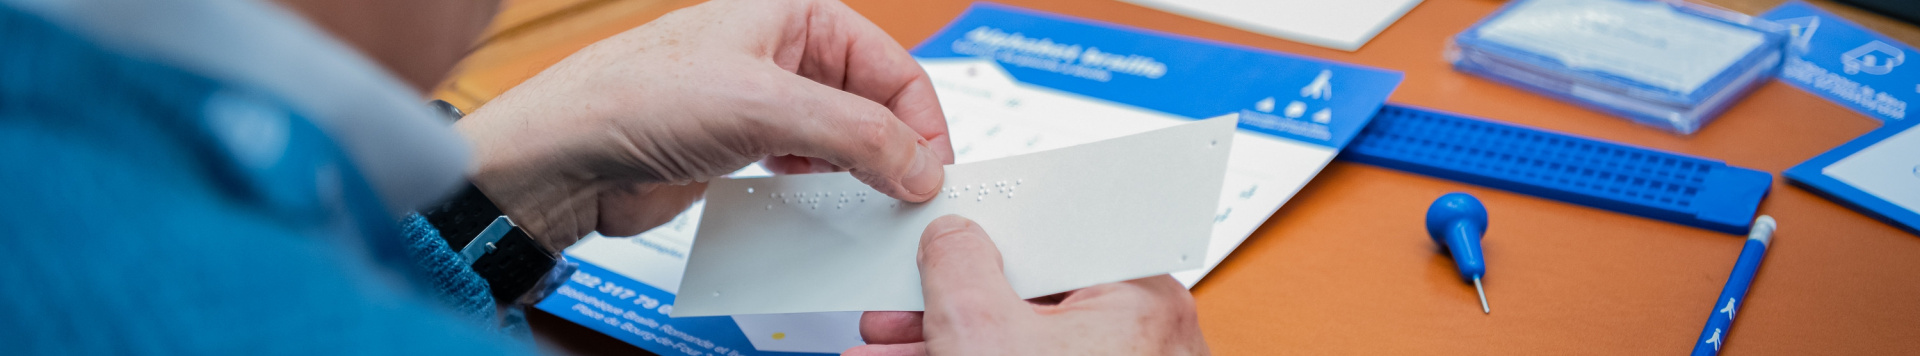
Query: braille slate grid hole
{"points": [[1503, 152]]}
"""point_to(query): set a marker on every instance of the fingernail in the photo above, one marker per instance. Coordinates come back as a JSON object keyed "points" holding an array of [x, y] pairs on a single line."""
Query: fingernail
{"points": [[947, 225], [925, 176]]}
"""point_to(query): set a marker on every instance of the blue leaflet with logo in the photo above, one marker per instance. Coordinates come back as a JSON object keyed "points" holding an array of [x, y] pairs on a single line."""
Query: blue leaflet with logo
{"points": [[1188, 77], [636, 313], [1847, 64]]}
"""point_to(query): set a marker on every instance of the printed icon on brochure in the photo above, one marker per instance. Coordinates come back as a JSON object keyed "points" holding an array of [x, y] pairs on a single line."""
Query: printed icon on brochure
{"points": [[1874, 58], [1295, 109], [1802, 29], [1264, 105], [1321, 87]]}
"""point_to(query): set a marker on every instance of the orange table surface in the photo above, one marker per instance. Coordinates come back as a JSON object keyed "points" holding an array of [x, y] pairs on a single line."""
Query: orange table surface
{"points": [[1345, 267]]}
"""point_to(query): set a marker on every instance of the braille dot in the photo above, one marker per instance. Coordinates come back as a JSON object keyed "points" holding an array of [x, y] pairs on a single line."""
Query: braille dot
{"points": [[716, 294], [981, 198], [769, 206], [787, 201], [774, 195], [1009, 195], [1213, 143], [838, 206], [1183, 258], [1018, 181], [815, 206], [749, 190]]}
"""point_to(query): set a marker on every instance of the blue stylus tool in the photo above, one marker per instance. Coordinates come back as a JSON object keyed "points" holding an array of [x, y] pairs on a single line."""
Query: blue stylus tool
{"points": [[1721, 321], [1456, 221]]}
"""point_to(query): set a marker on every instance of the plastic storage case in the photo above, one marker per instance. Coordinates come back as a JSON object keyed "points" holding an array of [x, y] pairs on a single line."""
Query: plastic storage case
{"points": [[1672, 65]]}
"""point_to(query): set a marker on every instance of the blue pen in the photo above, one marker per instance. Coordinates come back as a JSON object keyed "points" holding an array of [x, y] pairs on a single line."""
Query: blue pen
{"points": [[1720, 323]]}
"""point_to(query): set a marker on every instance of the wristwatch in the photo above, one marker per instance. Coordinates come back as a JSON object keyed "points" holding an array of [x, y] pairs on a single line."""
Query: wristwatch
{"points": [[503, 254]]}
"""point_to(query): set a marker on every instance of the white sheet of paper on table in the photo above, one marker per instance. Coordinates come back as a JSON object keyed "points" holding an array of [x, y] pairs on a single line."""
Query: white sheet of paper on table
{"points": [[1063, 219], [1343, 25], [990, 115]]}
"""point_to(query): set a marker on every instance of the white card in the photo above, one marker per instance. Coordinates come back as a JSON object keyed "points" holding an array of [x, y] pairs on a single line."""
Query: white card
{"points": [[1343, 25], [1063, 219]]}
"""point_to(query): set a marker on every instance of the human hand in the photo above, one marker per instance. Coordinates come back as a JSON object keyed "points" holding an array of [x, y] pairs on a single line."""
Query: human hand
{"points": [[616, 137], [971, 310]]}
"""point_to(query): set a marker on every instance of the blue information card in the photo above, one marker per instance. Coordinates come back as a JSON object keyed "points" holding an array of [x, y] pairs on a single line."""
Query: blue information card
{"points": [[1847, 64]]}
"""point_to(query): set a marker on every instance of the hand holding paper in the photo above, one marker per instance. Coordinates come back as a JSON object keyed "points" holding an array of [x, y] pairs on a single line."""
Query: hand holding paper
{"points": [[1065, 219], [971, 310], [610, 138]]}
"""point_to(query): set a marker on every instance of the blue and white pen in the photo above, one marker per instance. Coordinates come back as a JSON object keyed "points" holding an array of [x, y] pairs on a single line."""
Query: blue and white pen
{"points": [[1721, 322]]}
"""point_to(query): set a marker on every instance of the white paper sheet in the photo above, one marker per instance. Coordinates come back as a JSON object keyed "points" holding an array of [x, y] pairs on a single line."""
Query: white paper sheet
{"points": [[1063, 219], [989, 116], [1343, 25]]}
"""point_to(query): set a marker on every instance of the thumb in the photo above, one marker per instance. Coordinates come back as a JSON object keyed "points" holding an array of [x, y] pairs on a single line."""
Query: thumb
{"points": [[962, 278], [861, 135]]}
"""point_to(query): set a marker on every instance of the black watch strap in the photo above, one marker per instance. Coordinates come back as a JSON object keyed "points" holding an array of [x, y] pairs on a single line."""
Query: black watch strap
{"points": [[503, 254], [462, 218], [513, 265]]}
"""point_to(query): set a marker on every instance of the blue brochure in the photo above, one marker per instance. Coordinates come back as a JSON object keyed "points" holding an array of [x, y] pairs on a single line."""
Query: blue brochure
{"points": [[1847, 64], [1877, 174], [1186, 77], [1013, 81]]}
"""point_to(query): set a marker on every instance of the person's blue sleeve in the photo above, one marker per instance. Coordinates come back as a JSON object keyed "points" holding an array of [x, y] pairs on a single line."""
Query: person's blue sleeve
{"points": [[131, 224], [453, 281], [102, 256]]}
